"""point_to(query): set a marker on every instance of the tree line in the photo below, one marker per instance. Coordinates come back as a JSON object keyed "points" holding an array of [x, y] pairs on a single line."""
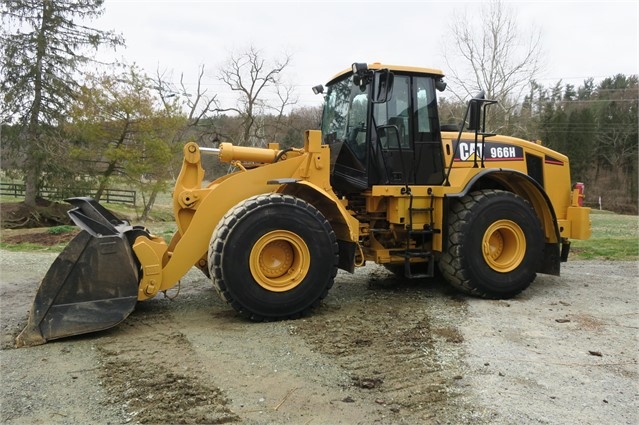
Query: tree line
{"points": [[124, 127], [83, 130], [65, 126], [596, 126]]}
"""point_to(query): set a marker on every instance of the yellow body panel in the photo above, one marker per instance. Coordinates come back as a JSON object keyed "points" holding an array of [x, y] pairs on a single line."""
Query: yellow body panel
{"points": [[553, 198], [199, 209], [579, 220], [489, 244]]}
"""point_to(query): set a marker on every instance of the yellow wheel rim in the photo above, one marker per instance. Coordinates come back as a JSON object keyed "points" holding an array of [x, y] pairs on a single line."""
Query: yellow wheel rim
{"points": [[504, 246], [279, 261]]}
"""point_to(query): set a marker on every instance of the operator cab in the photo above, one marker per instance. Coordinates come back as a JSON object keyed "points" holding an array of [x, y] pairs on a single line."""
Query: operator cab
{"points": [[383, 127]]}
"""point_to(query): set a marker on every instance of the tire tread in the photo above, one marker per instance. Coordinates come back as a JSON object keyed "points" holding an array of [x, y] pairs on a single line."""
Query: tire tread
{"points": [[223, 231], [451, 262]]}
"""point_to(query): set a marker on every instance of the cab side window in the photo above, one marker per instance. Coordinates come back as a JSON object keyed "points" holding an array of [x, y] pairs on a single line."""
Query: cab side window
{"points": [[394, 114], [425, 110]]}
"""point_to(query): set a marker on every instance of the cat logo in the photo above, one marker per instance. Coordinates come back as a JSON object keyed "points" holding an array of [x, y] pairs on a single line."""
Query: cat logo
{"points": [[470, 151]]}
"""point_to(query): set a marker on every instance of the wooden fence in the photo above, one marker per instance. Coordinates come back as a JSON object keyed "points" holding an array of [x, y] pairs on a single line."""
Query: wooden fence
{"points": [[110, 196]]}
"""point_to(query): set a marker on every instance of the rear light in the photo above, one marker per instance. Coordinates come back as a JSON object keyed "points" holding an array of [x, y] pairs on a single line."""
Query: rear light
{"points": [[578, 194]]}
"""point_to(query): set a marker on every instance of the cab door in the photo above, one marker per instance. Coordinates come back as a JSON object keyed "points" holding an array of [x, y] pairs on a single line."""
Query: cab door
{"points": [[427, 142], [391, 153], [405, 138]]}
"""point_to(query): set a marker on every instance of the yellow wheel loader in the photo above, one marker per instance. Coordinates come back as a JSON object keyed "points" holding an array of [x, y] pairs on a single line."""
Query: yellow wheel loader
{"points": [[381, 181]]}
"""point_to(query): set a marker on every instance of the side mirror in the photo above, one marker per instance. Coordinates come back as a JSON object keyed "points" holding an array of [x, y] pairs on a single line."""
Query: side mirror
{"points": [[383, 86], [475, 106]]}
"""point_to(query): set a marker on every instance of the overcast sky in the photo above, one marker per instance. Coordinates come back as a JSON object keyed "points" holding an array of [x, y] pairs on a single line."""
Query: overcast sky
{"points": [[579, 39]]}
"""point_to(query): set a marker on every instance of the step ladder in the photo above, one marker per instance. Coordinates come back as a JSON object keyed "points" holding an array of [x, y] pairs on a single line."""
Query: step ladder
{"points": [[422, 238]]}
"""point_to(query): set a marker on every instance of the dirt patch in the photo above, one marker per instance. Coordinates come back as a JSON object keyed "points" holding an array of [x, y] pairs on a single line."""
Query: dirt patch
{"points": [[155, 392], [40, 236], [378, 342], [18, 215], [379, 350]]}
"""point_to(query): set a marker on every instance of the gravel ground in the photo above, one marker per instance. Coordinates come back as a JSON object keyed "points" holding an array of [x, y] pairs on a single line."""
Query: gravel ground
{"points": [[378, 351]]}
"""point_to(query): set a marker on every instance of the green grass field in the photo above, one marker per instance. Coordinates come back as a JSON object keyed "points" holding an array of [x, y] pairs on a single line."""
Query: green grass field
{"points": [[614, 237]]}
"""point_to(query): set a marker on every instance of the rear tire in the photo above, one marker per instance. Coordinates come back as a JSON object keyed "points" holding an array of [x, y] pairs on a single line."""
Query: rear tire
{"points": [[495, 244], [273, 256]]}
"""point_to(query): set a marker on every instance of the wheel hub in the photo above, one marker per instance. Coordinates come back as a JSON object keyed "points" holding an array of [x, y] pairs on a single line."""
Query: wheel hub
{"points": [[279, 260], [276, 258], [504, 246]]}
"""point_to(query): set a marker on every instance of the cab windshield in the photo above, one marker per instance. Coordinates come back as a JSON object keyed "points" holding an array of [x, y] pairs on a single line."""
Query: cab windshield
{"points": [[344, 116]]}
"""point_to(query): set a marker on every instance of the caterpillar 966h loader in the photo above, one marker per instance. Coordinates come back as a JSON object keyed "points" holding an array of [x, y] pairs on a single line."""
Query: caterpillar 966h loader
{"points": [[381, 181]]}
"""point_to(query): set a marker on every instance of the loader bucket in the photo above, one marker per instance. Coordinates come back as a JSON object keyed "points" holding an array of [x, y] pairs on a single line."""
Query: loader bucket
{"points": [[91, 286]]}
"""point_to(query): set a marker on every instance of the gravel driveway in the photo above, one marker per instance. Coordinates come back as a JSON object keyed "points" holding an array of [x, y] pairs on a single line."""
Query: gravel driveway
{"points": [[378, 351]]}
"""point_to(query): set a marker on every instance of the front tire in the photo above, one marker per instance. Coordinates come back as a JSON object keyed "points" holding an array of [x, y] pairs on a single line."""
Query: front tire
{"points": [[495, 244], [273, 256]]}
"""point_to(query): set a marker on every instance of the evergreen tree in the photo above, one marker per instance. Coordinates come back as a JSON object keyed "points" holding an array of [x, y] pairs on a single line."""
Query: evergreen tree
{"points": [[44, 44], [617, 131], [580, 146]]}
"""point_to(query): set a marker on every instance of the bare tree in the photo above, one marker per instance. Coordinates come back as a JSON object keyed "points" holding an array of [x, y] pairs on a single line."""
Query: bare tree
{"points": [[197, 105], [296, 123], [492, 55], [260, 90]]}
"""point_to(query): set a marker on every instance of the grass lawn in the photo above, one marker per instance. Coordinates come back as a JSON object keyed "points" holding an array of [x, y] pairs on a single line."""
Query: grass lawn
{"points": [[614, 237]]}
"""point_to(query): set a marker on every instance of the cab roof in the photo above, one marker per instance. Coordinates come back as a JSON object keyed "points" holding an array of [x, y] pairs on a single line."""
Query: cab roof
{"points": [[393, 68]]}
